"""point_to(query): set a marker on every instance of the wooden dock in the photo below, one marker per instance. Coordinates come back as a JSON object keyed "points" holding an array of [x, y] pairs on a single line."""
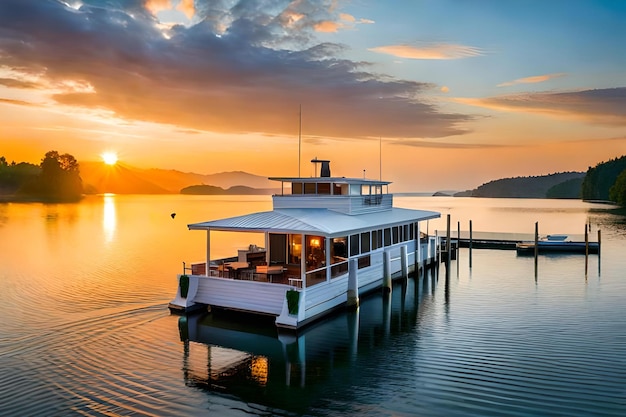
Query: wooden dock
{"points": [[504, 241]]}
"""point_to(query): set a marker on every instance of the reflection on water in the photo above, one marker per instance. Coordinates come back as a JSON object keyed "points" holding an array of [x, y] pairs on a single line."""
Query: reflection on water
{"points": [[246, 356], [85, 328], [109, 219]]}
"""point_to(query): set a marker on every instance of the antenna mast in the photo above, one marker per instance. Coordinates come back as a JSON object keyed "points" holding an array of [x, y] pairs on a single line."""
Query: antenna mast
{"points": [[299, 140], [380, 157]]}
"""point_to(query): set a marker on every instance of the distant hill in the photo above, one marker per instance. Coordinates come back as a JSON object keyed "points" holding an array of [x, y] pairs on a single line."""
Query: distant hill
{"points": [[558, 185], [212, 190], [125, 179]]}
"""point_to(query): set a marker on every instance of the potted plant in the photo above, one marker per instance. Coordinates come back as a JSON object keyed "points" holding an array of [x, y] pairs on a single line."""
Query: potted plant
{"points": [[184, 285], [293, 299]]}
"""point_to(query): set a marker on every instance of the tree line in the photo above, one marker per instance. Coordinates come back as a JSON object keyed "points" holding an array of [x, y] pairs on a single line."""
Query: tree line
{"points": [[606, 181], [57, 178]]}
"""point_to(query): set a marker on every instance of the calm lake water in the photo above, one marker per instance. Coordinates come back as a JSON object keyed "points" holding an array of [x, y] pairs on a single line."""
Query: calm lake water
{"points": [[85, 328]]}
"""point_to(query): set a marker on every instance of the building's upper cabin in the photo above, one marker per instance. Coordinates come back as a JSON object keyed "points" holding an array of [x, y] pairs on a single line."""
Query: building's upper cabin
{"points": [[346, 195]]}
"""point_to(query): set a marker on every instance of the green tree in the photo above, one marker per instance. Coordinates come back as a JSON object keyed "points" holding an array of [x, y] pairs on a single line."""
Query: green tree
{"points": [[13, 176], [59, 179], [617, 192], [600, 178]]}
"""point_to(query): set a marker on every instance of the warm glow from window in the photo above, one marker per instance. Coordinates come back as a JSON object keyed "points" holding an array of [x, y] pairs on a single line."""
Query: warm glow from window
{"points": [[315, 242], [109, 158]]}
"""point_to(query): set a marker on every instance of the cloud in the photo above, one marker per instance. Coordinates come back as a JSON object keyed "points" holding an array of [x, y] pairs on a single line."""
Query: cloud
{"points": [[15, 102], [532, 80], [16, 83], [429, 51], [601, 106], [245, 68], [418, 143]]}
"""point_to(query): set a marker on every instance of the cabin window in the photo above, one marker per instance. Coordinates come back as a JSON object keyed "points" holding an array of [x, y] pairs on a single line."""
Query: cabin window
{"points": [[315, 252], [375, 240], [295, 249], [323, 188], [309, 188], [394, 231], [339, 250], [278, 248], [296, 188], [387, 237], [365, 190], [378, 189], [412, 231], [354, 245], [365, 242], [340, 189], [355, 189]]}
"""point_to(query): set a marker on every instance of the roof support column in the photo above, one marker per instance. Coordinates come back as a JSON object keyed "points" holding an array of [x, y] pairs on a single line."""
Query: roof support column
{"points": [[327, 256], [303, 261], [418, 247], [208, 252]]}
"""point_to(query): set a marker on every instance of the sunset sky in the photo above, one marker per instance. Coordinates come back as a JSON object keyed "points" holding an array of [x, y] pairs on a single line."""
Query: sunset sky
{"points": [[455, 93]]}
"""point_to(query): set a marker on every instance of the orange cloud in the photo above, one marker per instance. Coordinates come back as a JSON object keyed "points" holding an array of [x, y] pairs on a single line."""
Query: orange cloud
{"points": [[602, 106], [155, 6], [327, 26], [429, 51], [532, 80], [187, 7], [15, 102]]}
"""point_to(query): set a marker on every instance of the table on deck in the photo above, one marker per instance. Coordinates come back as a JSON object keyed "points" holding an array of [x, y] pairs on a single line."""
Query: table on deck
{"points": [[236, 266]]}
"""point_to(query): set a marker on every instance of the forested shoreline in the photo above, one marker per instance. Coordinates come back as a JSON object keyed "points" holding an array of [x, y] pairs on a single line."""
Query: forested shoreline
{"points": [[56, 179]]}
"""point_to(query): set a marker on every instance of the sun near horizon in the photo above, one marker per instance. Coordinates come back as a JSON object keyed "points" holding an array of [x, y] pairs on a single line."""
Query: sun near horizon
{"points": [[109, 158]]}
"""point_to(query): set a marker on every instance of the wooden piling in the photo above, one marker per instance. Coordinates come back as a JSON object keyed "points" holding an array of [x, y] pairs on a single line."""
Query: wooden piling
{"points": [[536, 246], [458, 239], [586, 249], [448, 245], [470, 243], [599, 246]]}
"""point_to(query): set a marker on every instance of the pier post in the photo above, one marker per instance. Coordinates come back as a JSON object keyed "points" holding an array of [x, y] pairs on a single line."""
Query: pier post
{"points": [[448, 243], [586, 250], [386, 271], [353, 284], [599, 247], [404, 261], [418, 249], [536, 247], [458, 246], [470, 243]]}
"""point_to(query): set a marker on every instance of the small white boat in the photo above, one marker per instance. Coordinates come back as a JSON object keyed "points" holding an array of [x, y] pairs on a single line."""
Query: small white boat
{"points": [[327, 241], [558, 243]]}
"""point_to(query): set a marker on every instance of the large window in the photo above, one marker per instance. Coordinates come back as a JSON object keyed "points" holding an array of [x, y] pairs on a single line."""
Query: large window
{"points": [[315, 252], [296, 188], [295, 249], [339, 250]]}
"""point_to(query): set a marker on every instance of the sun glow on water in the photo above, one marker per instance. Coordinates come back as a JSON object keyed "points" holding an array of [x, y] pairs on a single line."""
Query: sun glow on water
{"points": [[109, 158]]}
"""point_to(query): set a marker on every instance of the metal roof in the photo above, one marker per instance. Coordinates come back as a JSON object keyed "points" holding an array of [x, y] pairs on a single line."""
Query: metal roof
{"points": [[319, 221]]}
